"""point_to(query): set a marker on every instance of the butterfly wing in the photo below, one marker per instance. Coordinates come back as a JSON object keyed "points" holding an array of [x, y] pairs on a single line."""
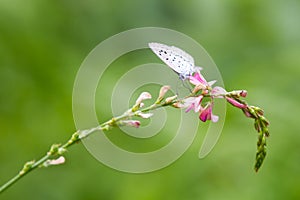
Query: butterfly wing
{"points": [[177, 59]]}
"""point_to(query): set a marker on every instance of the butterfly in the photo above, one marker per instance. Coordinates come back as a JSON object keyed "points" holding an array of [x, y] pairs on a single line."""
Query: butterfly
{"points": [[178, 60]]}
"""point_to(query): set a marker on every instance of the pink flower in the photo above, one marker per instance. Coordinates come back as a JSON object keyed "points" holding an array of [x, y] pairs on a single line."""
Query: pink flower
{"points": [[193, 103], [57, 161], [218, 91], [170, 99], [239, 93], [133, 123], [243, 93], [145, 115], [236, 103], [206, 113], [247, 113], [139, 103], [142, 97], [200, 83], [198, 79], [163, 91]]}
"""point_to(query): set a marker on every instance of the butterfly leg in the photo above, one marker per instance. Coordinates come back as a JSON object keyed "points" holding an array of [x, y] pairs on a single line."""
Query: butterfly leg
{"points": [[186, 85]]}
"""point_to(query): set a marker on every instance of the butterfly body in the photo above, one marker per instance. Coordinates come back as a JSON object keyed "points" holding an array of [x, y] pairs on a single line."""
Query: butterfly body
{"points": [[178, 60]]}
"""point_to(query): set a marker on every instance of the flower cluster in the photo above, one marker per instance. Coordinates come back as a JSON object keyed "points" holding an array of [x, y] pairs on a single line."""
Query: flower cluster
{"points": [[202, 89], [195, 102]]}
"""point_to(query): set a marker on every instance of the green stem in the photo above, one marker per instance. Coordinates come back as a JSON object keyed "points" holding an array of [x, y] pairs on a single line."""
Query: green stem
{"points": [[10, 182], [75, 138], [57, 150], [21, 173]]}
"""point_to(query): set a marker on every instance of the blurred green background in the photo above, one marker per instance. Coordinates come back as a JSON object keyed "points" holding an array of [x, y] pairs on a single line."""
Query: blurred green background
{"points": [[255, 44]]}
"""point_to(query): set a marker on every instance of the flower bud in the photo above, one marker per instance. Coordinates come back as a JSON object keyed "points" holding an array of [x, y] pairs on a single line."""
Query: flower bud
{"points": [[54, 149], [248, 113], [265, 121], [258, 110], [61, 150], [57, 161], [178, 105], [28, 166], [236, 103], [142, 97], [239, 93], [257, 126], [206, 114], [199, 87], [145, 115], [243, 93], [133, 123], [170, 99], [162, 92], [218, 91], [138, 103]]}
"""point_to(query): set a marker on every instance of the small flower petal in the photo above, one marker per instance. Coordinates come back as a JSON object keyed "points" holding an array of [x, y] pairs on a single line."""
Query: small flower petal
{"points": [[178, 105], [198, 101], [145, 115], [243, 93], [206, 114], [163, 91], [57, 161], [248, 113], [198, 79], [210, 83], [239, 93], [214, 118], [199, 87], [190, 107], [236, 103], [203, 116], [142, 97], [193, 103], [133, 123], [200, 83], [170, 99], [138, 103], [218, 91]]}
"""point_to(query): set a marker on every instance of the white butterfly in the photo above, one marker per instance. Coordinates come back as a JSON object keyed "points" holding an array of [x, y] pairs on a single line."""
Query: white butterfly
{"points": [[180, 61]]}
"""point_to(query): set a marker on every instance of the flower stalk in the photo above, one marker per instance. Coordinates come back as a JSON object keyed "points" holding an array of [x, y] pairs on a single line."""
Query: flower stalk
{"points": [[194, 101], [57, 150]]}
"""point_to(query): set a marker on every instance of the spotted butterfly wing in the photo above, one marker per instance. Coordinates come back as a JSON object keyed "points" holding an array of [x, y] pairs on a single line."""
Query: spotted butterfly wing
{"points": [[177, 59]]}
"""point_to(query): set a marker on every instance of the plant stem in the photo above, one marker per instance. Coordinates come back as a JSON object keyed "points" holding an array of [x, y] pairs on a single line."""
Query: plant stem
{"points": [[10, 182], [31, 165], [57, 149], [75, 138]]}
